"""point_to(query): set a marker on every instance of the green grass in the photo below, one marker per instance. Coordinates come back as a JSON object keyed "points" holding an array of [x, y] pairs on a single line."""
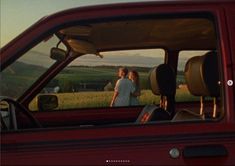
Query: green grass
{"points": [[71, 77], [102, 99]]}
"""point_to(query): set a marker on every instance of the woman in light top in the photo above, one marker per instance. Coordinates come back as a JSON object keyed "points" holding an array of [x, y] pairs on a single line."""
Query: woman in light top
{"points": [[134, 77]]}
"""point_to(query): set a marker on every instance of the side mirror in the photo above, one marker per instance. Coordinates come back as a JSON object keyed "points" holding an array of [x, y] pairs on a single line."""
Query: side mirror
{"points": [[58, 54], [47, 102]]}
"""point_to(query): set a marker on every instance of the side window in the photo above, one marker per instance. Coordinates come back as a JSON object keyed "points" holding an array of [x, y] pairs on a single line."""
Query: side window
{"points": [[198, 89], [89, 81], [182, 92], [21, 74], [92, 81]]}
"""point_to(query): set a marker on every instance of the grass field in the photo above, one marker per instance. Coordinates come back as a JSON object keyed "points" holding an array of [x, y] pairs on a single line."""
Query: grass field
{"points": [[73, 76], [102, 99]]}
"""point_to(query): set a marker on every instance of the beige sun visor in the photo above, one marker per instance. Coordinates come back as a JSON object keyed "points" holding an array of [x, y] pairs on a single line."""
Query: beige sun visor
{"points": [[83, 47], [77, 31], [80, 46]]}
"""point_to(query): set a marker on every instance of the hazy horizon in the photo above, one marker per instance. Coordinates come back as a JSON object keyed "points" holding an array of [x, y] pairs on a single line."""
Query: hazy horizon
{"points": [[113, 59], [108, 60]]}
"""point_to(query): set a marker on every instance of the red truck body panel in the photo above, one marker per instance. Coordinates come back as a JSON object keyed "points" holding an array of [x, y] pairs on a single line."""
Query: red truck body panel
{"points": [[123, 144]]}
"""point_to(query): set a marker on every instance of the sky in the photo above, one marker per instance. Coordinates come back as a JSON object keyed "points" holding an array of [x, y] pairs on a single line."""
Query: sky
{"points": [[18, 15]]}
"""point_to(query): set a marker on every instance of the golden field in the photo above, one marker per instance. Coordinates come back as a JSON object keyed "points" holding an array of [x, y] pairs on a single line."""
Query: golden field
{"points": [[103, 98]]}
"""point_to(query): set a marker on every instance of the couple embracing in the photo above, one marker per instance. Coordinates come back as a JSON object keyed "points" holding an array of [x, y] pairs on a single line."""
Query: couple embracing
{"points": [[126, 90]]}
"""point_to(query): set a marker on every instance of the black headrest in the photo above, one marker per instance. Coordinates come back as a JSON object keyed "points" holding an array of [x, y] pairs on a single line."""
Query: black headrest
{"points": [[202, 75], [162, 80]]}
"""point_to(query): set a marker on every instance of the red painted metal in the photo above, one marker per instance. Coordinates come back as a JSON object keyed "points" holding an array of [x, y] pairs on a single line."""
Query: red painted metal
{"points": [[124, 144], [75, 15], [88, 116]]}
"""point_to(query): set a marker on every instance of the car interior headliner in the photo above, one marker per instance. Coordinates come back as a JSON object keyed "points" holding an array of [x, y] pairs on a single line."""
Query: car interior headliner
{"points": [[171, 34]]}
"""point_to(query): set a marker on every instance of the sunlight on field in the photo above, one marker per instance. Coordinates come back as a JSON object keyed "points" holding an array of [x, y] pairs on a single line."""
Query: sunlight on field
{"points": [[102, 99]]}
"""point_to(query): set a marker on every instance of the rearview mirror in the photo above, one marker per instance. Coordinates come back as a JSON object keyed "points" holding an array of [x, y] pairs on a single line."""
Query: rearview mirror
{"points": [[47, 102], [58, 54]]}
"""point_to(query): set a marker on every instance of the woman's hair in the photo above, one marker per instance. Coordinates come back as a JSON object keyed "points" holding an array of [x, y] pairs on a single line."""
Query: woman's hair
{"points": [[137, 78]]}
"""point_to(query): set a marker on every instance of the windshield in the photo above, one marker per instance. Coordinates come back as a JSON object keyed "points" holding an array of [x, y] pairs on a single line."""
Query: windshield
{"points": [[22, 73]]}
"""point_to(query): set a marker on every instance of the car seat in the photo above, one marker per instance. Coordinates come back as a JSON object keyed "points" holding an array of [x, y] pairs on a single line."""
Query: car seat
{"points": [[162, 82], [202, 79]]}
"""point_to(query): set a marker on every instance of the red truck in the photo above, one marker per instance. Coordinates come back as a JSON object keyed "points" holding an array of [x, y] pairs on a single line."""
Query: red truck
{"points": [[58, 78]]}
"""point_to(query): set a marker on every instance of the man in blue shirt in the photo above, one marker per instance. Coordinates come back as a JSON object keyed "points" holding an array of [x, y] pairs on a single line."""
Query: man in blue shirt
{"points": [[123, 89]]}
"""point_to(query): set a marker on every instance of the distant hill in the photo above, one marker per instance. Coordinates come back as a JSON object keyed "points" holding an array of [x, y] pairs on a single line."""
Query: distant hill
{"points": [[20, 76], [118, 60], [148, 61], [37, 58], [139, 69], [24, 69]]}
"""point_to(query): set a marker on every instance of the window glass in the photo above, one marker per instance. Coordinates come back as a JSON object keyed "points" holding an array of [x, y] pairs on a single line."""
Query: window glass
{"points": [[89, 81], [182, 92], [21, 74], [101, 80], [199, 96]]}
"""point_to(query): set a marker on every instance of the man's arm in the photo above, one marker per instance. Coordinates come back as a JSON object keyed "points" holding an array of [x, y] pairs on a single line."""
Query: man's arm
{"points": [[115, 94], [114, 98]]}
